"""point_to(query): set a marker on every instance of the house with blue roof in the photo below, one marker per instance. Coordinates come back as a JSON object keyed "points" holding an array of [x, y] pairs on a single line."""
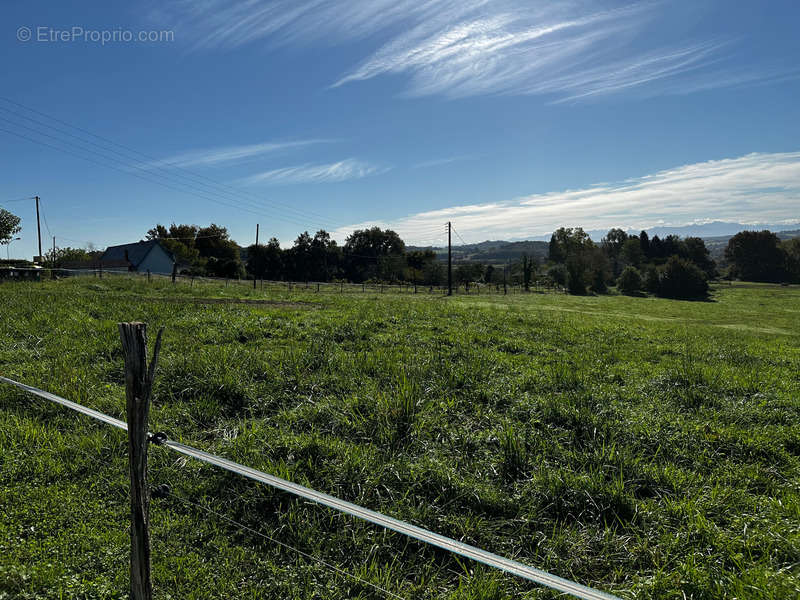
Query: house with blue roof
{"points": [[139, 257]]}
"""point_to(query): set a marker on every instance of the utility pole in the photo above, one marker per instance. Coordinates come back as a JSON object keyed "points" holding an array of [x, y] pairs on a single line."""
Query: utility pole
{"points": [[54, 251], [38, 227], [449, 261], [254, 275]]}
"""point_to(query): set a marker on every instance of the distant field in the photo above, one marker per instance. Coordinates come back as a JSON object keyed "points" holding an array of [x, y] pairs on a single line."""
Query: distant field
{"points": [[644, 446]]}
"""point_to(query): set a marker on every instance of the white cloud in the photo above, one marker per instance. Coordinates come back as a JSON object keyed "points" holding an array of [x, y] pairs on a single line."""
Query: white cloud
{"points": [[437, 162], [339, 171], [565, 50], [225, 155], [756, 188]]}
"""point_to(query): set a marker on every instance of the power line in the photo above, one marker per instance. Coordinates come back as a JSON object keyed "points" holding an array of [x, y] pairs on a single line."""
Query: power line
{"points": [[127, 172], [17, 200], [151, 177], [149, 166], [213, 185], [41, 206], [459, 237], [322, 562]]}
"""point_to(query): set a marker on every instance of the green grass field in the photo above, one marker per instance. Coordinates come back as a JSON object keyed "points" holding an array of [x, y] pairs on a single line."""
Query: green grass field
{"points": [[647, 447]]}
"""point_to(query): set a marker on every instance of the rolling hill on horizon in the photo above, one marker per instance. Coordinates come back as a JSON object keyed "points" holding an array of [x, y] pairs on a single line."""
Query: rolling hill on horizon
{"points": [[716, 235]]}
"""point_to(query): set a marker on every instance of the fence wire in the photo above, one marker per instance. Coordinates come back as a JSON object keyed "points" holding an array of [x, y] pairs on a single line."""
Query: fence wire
{"points": [[434, 539], [310, 557]]}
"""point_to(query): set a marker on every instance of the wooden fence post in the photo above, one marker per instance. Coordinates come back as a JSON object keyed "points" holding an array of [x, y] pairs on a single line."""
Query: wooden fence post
{"points": [[138, 389]]}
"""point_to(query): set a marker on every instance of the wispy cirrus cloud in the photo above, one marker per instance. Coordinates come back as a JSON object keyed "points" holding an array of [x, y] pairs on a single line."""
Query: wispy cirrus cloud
{"points": [[457, 48], [438, 162], [323, 173], [755, 188], [226, 155]]}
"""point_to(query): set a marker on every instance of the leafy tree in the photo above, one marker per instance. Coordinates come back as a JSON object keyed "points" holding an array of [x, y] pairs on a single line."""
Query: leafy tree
{"points": [[791, 249], [180, 240], [673, 246], [656, 249], [64, 256], [194, 247], [229, 268], [585, 263], [680, 278], [576, 275], [558, 275], [599, 269], [652, 281], [566, 241], [756, 256], [630, 280], [644, 243], [696, 251], [265, 261], [488, 274], [433, 273], [325, 256], [468, 272], [274, 260], [9, 226], [374, 253], [214, 241], [632, 253], [299, 258], [528, 268], [418, 263], [612, 244], [419, 258]]}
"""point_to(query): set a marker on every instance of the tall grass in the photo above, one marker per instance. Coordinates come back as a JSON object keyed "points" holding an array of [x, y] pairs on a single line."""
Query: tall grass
{"points": [[644, 446]]}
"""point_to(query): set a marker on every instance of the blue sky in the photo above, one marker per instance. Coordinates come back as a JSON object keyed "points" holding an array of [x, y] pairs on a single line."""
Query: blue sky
{"points": [[510, 117]]}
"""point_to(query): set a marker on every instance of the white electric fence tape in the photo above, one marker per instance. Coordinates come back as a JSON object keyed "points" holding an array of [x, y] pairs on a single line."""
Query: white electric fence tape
{"points": [[482, 556]]}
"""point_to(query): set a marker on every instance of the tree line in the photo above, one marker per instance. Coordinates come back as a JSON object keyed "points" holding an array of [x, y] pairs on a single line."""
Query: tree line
{"points": [[372, 254], [672, 266]]}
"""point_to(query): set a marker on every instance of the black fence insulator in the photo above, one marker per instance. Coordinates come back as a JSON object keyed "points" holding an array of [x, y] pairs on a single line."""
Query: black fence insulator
{"points": [[158, 438], [161, 491]]}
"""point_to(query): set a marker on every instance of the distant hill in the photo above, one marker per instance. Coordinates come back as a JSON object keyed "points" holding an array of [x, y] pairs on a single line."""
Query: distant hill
{"points": [[495, 252], [716, 245], [500, 251], [706, 230]]}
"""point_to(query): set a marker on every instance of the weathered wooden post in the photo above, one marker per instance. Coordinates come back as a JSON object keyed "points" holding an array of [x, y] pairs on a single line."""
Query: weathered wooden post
{"points": [[174, 272], [138, 389]]}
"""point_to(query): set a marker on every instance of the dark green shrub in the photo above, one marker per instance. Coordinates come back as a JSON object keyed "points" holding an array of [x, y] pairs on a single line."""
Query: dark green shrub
{"points": [[630, 281], [682, 279], [576, 276], [651, 279], [558, 274], [599, 285]]}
